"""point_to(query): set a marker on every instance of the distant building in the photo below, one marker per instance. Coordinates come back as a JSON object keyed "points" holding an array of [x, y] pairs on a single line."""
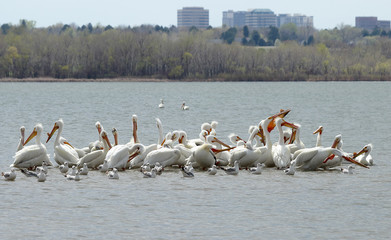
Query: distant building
{"points": [[234, 19], [298, 19], [193, 16], [370, 23], [260, 18]]}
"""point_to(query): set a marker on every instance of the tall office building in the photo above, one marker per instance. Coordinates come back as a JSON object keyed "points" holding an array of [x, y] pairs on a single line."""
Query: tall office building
{"points": [[260, 18], [370, 23], [193, 16], [234, 19], [298, 19]]}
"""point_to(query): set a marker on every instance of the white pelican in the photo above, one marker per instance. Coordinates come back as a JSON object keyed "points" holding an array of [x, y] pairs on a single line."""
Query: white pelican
{"points": [[212, 170], [139, 151], [63, 152], [115, 135], [203, 156], [184, 106], [159, 126], [257, 169], [95, 158], [247, 156], [266, 156], [165, 156], [150, 174], [103, 167], [9, 176], [348, 170], [161, 104], [186, 172], [295, 142], [310, 159], [41, 176], [280, 152], [21, 141], [222, 157], [232, 170], [84, 169], [134, 138], [291, 170], [33, 155], [365, 158], [234, 139], [113, 174], [318, 131], [64, 167], [117, 157], [182, 139]]}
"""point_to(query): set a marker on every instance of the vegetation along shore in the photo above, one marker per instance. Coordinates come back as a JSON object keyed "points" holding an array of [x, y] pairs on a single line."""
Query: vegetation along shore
{"points": [[155, 53]]}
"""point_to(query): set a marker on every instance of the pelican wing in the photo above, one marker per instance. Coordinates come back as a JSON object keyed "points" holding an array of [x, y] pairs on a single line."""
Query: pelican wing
{"points": [[305, 155]]}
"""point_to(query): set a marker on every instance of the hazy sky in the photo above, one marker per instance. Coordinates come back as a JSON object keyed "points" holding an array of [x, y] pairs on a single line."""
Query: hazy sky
{"points": [[327, 14]]}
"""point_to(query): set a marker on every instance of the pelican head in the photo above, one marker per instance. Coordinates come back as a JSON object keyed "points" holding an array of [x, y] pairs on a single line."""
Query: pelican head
{"points": [[58, 124], [36, 131]]}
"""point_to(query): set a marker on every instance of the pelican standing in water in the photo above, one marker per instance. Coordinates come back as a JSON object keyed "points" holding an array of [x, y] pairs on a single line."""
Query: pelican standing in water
{"points": [[281, 153], [161, 104], [21, 141], [32, 156], [184, 106], [63, 152]]}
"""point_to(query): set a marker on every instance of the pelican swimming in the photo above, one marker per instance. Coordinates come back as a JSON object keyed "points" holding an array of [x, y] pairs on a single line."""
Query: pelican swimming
{"points": [[364, 156], [9, 176], [95, 158], [63, 152], [33, 155], [21, 140]]}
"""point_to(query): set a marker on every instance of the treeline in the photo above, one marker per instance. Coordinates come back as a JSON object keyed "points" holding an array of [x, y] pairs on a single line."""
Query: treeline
{"points": [[293, 54]]}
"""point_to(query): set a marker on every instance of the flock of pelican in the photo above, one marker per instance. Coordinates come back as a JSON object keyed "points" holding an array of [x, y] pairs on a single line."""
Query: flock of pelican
{"points": [[205, 153]]}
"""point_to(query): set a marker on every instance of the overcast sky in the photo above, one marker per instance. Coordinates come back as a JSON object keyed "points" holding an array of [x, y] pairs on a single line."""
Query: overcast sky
{"points": [[328, 14]]}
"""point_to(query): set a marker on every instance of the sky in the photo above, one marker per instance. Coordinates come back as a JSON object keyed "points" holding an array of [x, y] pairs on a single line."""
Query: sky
{"points": [[327, 14]]}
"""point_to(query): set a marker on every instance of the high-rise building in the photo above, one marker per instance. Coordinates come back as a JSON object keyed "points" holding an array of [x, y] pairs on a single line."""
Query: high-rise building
{"points": [[298, 19], [234, 19], [370, 23], [261, 18], [193, 16]]}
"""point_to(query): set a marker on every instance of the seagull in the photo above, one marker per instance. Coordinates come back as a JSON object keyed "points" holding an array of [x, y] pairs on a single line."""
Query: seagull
{"points": [[212, 170], [232, 170], [158, 168], [75, 176], [150, 174], [145, 168], [64, 167], [9, 176], [84, 170], [186, 172], [28, 173], [41, 176], [257, 169], [103, 167], [44, 168], [348, 170], [292, 169], [113, 174]]}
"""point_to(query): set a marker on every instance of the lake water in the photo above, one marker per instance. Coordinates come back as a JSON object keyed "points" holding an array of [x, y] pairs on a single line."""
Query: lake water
{"points": [[308, 205]]}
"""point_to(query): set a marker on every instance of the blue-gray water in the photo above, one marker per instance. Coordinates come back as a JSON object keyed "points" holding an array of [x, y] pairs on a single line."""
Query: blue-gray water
{"points": [[308, 205]]}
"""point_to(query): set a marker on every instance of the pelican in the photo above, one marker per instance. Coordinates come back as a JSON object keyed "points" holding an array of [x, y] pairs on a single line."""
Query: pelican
{"points": [[280, 152], [266, 157], [212, 170], [348, 170], [203, 156], [161, 104], [21, 141], [62, 151], [113, 174], [234, 139], [150, 174], [310, 159], [34, 155], [165, 156], [291, 170], [186, 172], [139, 152], [184, 107], [247, 156], [182, 139], [365, 159], [95, 158], [318, 131], [9, 176], [222, 157], [134, 138], [117, 157], [257, 169], [115, 135], [64, 167], [232, 170], [84, 170], [295, 143], [213, 124], [41, 176]]}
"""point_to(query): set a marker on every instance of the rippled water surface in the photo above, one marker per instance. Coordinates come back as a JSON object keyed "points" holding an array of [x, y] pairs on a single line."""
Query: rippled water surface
{"points": [[308, 205]]}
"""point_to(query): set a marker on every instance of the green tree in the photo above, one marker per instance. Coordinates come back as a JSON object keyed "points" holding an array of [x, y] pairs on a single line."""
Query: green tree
{"points": [[255, 37], [5, 28], [229, 35], [246, 32], [288, 32], [273, 35]]}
